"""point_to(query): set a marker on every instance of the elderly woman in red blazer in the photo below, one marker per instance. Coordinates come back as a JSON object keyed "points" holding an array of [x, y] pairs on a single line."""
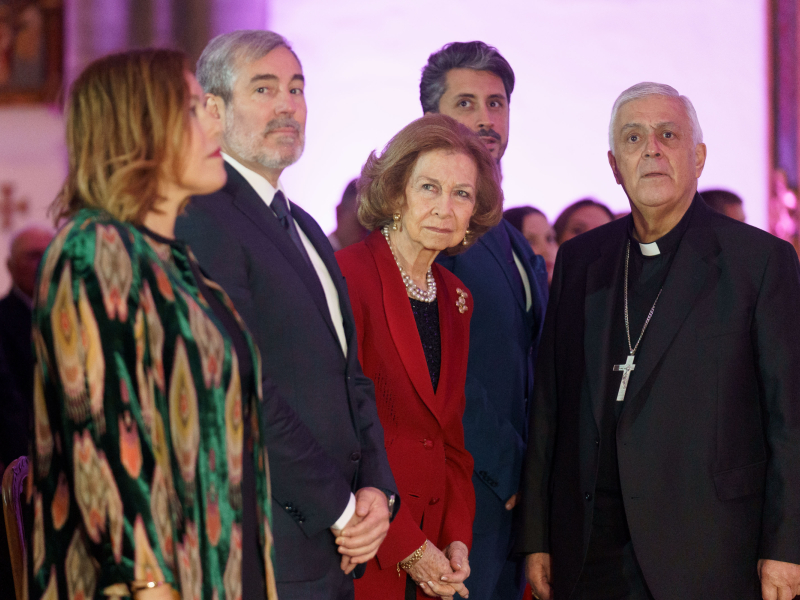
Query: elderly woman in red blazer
{"points": [[434, 188]]}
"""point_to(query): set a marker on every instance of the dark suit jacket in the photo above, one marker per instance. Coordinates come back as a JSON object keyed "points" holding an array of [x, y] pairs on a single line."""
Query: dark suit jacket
{"points": [[324, 437], [502, 344], [709, 437], [16, 375], [424, 436]]}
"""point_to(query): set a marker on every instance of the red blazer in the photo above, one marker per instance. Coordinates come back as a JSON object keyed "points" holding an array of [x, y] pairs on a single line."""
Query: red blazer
{"points": [[423, 433]]}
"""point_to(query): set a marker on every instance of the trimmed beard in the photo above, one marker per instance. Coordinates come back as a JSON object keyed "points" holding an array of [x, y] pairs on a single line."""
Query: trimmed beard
{"points": [[249, 144]]}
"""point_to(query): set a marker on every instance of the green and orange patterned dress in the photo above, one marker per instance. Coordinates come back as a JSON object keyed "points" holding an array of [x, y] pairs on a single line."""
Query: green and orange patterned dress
{"points": [[140, 425]]}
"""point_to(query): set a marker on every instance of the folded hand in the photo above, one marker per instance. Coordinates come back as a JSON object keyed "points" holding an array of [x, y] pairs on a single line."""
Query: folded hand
{"points": [[429, 570], [362, 536]]}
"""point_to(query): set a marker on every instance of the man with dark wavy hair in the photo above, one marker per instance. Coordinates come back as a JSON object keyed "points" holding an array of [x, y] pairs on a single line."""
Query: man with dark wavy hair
{"points": [[472, 82]]}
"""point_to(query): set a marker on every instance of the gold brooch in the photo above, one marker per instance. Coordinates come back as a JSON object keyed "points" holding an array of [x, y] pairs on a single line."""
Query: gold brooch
{"points": [[461, 303]]}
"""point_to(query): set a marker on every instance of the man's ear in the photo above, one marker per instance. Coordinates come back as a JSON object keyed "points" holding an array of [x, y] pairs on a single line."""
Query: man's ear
{"points": [[612, 162], [215, 106], [699, 159]]}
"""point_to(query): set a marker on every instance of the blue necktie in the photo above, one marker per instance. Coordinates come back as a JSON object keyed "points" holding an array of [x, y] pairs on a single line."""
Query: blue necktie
{"points": [[281, 209]]}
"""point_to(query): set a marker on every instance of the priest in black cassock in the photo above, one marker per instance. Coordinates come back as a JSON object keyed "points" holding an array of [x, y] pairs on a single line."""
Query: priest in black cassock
{"points": [[664, 452]]}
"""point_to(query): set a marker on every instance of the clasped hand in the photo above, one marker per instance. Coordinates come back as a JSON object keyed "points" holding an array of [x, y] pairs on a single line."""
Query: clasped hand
{"points": [[779, 580], [442, 573], [362, 536]]}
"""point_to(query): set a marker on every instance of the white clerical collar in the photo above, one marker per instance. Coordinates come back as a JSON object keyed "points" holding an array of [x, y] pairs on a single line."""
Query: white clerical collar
{"points": [[263, 188], [650, 249]]}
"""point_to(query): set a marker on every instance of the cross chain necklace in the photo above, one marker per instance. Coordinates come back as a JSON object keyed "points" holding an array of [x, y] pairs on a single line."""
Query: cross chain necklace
{"points": [[628, 367]]}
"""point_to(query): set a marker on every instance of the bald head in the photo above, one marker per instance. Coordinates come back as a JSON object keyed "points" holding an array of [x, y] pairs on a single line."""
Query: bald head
{"points": [[27, 248]]}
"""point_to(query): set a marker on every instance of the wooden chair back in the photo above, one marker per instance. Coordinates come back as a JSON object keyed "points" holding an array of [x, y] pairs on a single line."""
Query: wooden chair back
{"points": [[13, 490]]}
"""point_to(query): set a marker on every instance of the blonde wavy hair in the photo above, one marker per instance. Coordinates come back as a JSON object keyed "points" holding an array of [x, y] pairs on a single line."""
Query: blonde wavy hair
{"points": [[382, 185], [126, 120]]}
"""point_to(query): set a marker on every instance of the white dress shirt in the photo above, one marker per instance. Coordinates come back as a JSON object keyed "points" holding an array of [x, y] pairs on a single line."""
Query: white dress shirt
{"points": [[266, 192], [525, 283]]}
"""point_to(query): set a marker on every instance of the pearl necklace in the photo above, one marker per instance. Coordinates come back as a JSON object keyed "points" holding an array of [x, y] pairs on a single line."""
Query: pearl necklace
{"points": [[413, 290]]}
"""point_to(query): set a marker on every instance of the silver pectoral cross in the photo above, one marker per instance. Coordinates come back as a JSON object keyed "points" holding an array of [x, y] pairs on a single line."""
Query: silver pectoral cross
{"points": [[626, 375]]}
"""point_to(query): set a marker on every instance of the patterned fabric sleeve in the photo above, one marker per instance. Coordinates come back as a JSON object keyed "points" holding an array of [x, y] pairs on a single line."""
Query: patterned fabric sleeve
{"points": [[102, 480]]}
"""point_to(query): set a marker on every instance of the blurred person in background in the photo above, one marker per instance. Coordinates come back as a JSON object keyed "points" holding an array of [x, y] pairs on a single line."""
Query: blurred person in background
{"points": [[533, 224], [16, 364], [725, 202], [148, 478], [348, 230], [472, 83], [434, 188], [580, 217], [16, 352]]}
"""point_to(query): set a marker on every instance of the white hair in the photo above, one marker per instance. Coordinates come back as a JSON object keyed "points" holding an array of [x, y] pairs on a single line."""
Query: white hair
{"points": [[648, 88]]}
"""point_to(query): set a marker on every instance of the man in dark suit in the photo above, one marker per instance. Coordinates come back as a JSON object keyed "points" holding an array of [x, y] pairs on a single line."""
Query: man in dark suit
{"points": [[16, 353], [16, 364], [472, 83], [327, 460], [665, 429]]}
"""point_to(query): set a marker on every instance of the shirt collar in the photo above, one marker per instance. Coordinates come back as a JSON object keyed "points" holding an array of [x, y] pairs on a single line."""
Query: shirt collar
{"points": [[667, 243], [262, 187]]}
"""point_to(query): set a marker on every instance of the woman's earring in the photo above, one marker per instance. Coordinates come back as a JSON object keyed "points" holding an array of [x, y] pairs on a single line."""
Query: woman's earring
{"points": [[396, 219], [466, 233]]}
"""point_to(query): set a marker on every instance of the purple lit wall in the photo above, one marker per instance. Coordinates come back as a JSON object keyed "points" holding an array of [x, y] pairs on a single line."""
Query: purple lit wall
{"points": [[362, 61]]}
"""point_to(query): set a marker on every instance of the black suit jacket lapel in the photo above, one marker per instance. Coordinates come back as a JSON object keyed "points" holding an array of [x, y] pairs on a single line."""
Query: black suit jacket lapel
{"points": [[693, 267], [254, 208], [603, 280]]}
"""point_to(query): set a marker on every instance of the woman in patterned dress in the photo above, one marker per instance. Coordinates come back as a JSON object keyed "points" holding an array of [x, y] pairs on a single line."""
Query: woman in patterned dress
{"points": [[434, 188], [148, 478]]}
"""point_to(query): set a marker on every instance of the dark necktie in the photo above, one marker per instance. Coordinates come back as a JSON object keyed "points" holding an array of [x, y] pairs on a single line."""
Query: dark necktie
{"points": [[281, 209]]}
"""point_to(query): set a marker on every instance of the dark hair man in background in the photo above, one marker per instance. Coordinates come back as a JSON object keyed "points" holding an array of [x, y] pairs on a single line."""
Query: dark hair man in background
{"points": [[472, 83], [725, 202], [348, 230]]}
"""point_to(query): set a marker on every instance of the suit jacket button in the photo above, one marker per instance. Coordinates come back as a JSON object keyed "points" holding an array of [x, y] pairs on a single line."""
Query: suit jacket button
{"points": [[597, 442], [428, 444], [355, 456], [588, 496], [433, 501]]}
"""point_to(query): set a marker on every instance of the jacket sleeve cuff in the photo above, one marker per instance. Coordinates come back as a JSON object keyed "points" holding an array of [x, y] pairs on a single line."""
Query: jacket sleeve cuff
{"points": [[403, 539], [348, 513]]}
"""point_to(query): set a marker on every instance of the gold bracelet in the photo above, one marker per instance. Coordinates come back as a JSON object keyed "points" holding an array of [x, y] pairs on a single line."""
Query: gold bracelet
{"points": [[407, 564]]}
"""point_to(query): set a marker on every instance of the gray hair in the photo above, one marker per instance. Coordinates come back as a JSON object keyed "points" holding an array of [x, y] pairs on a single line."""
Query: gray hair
{"points": [[460, 55], [648, 88], [223, 56]]}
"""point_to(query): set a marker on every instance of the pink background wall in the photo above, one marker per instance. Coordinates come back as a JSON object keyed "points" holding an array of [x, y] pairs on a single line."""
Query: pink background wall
{"points": [[362, 62]]}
